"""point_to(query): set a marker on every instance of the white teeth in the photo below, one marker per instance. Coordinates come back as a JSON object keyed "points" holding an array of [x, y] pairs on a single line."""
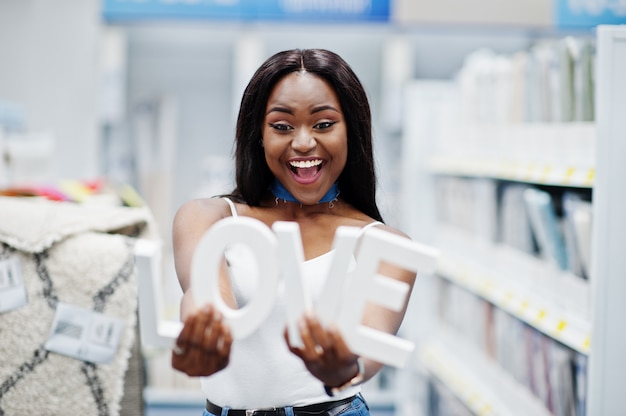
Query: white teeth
{"points": [[305, 163]]}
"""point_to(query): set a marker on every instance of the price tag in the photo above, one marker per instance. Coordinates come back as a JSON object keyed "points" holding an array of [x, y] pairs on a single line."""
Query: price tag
{"points": [[508, 299], [545, 175], [84, 334], [12, 290], [523, 307], [591, 175], [569, 173], [587, 343], [540, 317], [485, 410]]}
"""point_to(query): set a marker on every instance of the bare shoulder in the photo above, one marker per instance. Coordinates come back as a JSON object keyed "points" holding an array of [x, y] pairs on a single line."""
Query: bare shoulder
{"points": [[392, 230], [360, 219], [200, 213]]}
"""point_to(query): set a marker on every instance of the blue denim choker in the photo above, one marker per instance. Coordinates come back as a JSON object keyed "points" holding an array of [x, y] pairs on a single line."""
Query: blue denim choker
{"points": [[280, 192]]}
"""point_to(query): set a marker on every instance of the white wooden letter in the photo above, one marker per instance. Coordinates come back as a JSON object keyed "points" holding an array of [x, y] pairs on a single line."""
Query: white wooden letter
{"points": [[366, 284], [291, 255], [334, 291], [205, 267]]}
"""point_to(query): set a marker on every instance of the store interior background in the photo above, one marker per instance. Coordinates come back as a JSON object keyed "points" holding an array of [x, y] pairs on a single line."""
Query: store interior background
{"points": [[152, 103], [71, 76]]}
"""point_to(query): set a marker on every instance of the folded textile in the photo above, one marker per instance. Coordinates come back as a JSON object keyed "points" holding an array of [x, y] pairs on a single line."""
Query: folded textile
{"points": [[80, 255]]}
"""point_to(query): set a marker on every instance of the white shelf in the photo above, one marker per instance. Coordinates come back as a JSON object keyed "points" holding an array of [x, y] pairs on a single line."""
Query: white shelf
{"points": [[607, 372], [478, 382], [592, 157], [542, 173], [561, 154], [554, 302]]}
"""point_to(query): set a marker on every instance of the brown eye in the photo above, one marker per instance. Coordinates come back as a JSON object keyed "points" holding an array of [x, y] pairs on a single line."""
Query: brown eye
{"points": [[280, 126], [324, 125]]}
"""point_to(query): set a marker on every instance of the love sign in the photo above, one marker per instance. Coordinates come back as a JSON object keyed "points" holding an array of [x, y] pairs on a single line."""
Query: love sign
{"points": [[279, 254]]}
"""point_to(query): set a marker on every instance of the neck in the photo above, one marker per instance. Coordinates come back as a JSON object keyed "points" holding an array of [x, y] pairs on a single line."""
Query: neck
{"points": [[281, 193]]}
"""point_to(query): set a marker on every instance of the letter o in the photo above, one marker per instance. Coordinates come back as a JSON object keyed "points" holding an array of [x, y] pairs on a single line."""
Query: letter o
{"points": [[205, 268]]}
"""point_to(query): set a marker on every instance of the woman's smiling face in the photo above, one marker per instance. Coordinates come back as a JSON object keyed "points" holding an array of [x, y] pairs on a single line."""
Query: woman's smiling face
{"points": [[305, 136]]}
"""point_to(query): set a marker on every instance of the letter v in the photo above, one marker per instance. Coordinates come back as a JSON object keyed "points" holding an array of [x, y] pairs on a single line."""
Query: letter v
{"points": [[291, 256]]}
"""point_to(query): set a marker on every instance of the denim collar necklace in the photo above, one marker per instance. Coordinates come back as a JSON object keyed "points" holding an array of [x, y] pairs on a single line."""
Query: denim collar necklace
{"points": [[280, 192]]}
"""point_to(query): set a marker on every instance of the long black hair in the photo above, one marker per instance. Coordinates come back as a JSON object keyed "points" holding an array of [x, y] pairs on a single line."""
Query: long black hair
{"points": [[253, 177]]}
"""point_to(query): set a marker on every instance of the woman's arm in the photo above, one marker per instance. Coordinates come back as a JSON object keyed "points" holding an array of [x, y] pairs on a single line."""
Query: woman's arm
{"points": [[383, 319], [203, 346]]}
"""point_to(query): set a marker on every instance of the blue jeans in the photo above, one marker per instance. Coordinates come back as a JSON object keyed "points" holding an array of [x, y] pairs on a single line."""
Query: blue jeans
{"points": [[358, 407]]}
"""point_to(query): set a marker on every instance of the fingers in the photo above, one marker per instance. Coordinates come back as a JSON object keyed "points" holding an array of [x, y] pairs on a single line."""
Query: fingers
{"points": [[324, 351], [203, 346], [338, 341], [321, 337], [320, 344], [311, 339], [226, 341]]}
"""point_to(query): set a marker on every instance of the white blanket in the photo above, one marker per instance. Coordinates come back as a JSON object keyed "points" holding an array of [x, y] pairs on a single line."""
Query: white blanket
{"points": [[76, 254]]}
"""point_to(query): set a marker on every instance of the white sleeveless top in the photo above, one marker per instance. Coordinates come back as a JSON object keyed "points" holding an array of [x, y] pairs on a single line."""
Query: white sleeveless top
{"points": [[262, 372]]}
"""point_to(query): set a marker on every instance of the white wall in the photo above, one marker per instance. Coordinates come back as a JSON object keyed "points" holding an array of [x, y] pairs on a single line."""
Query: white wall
{"points": [[49, 65]]}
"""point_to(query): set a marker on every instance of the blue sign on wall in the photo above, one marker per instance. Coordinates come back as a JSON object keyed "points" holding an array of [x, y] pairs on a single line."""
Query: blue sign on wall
{"points": [[590, 13], [283, 10]]}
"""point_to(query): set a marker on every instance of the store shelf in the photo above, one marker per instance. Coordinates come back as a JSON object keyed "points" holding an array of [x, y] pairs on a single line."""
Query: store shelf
{"points": [[607, 374], [560, 154], [529, 172], [552, 301], [479, 383], [581, 314]]}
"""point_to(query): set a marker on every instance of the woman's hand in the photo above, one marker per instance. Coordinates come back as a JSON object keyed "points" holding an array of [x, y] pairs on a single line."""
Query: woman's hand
{"points": [[325, 352], [203, 346]]}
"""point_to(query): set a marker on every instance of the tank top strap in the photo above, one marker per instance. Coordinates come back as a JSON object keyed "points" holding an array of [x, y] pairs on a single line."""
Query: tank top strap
{"points": [[371, 224], [233, 210]]}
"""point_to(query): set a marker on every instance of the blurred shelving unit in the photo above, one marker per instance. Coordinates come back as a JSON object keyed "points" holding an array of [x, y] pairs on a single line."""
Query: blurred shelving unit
{"points": [[608, 364], [525, 287], [477, 381], [578, 315], [573, 170]]}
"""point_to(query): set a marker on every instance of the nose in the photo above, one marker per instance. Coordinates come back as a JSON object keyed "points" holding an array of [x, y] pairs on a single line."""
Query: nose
{"points": [[303, 141]]}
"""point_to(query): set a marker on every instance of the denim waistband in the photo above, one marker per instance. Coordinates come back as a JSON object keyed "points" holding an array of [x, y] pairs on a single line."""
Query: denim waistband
{"points": [[318, 409]]}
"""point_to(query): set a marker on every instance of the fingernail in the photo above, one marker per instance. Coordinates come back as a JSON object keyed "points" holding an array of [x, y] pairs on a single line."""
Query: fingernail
{"points": [[302, 324]]}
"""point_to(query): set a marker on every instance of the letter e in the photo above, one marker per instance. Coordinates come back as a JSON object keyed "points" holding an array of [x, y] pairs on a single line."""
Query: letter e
{"points": [[366, 284]]}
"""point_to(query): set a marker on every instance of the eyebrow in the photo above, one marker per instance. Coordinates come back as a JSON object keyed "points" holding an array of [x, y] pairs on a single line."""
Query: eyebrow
{"points": [[313, 111], [279, 110], [324, 107]]}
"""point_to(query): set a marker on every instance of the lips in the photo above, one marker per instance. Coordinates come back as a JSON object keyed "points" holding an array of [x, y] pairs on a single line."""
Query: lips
{"points": [[306, 171]]}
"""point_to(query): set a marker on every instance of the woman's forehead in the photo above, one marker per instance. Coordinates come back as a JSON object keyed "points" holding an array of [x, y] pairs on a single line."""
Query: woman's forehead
{"points": [[302, 88]]}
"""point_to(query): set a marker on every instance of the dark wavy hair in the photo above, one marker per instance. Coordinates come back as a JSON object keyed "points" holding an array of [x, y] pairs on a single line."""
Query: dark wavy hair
{"points": [[357, 182]]}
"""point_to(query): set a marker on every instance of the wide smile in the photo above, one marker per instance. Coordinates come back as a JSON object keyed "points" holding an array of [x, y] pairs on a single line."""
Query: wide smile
{"points": [[306, 171]]}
